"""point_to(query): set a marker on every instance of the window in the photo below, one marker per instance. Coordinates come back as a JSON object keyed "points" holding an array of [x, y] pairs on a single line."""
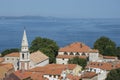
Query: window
{"points": [[71, 53], [22, 56], [77, 53], [65, 53], [7, 58], [12, 58]]}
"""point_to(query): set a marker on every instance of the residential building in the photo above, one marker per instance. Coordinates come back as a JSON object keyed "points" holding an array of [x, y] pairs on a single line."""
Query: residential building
{"points": [[48, 72], [102, 68], [89, 76], [76, 49], [5, 70]]}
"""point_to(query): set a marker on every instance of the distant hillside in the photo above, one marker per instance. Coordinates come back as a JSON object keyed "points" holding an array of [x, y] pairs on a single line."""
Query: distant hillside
{"points": [[26, 17]]}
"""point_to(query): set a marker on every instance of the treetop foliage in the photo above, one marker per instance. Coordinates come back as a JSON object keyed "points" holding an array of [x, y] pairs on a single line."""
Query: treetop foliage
{"points": [[105, 46], [7, 51], [79, 61], [113, 75], [47, 46]]}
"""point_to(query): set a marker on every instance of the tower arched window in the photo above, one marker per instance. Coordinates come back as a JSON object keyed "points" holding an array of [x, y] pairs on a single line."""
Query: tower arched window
{"points": [[77, 53], [71, 53], [65, 53], [22, 56]]}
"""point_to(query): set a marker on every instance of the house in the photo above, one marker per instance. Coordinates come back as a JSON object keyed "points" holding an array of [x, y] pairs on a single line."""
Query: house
{"points": [[48, 72], [38, 59], [89, 76], [12, 58], [76, 49], [5, 70], [101, 68], [57, 70], [1, 59], [109, 58], [73, 77]]}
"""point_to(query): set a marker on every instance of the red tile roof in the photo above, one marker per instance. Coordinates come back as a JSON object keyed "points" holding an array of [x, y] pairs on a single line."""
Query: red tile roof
{"points": [[57, 66], [38, 72], [89, 75], [71, 77], [70, 56], [5, 68], [37, 76], [28, 74], [13, 54], [22, 75], [117, 65], [1, 59], [101, 65], [53, 69], [77, 47]]}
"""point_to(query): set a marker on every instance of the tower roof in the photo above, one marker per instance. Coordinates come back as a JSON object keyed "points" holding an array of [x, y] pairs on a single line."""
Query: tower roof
{"points": [[24, 40]]}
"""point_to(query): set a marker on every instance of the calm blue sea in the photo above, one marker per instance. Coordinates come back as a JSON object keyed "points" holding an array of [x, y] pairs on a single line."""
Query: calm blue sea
{"points": [[63, 31]]}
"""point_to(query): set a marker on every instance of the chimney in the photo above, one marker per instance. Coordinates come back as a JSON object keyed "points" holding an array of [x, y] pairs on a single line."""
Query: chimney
{"points": [[81, 45]]}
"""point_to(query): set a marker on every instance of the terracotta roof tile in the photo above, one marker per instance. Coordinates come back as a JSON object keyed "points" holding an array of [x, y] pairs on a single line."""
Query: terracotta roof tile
{"points": [[71, 77], [38, 56], [1, 59], [53, 69], [77, 47], [37, 76], [4, 68], [101, 65], [70, 56], [13, 54], [117, 65], [89, 75], [22, 75]]}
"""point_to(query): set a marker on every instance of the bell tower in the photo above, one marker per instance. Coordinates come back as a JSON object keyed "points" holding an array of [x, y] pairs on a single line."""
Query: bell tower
{"points": [[24, 54]]}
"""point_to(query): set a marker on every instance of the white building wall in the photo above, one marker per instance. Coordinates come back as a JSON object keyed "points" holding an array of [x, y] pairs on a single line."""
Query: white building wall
{"points": [[51, 77], [102, 75], [60, 53], [93, 57], [62, 61], [13, 60], [109, 60]]}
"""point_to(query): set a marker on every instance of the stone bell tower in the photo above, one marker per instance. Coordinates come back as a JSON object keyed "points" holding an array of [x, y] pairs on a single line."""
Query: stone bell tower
{"points": [[24, 53]]}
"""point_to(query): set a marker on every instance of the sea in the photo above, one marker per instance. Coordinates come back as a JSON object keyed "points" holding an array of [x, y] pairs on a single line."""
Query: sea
{"points": [[63, 31]]}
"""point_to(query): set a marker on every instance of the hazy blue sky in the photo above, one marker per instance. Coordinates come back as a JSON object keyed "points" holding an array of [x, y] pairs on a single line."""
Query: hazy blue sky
{"points": [[61, 8]]}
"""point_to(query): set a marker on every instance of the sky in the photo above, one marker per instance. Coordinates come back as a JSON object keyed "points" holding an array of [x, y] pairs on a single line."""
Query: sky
{"points": [[61, 8]]}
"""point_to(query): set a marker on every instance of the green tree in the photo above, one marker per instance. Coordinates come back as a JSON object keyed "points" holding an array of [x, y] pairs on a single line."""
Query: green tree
{"points": [[7, 51], [79, 61], [118, 52], [113, 75], [105, 46], [47, 46]]}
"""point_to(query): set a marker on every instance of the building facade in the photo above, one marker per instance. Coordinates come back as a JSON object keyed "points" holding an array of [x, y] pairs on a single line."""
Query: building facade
{"points": [[76, 49]]}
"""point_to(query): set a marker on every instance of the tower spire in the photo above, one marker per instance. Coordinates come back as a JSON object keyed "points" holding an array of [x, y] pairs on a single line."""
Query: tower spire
{"points": [[24, 41], [24, 54]]}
